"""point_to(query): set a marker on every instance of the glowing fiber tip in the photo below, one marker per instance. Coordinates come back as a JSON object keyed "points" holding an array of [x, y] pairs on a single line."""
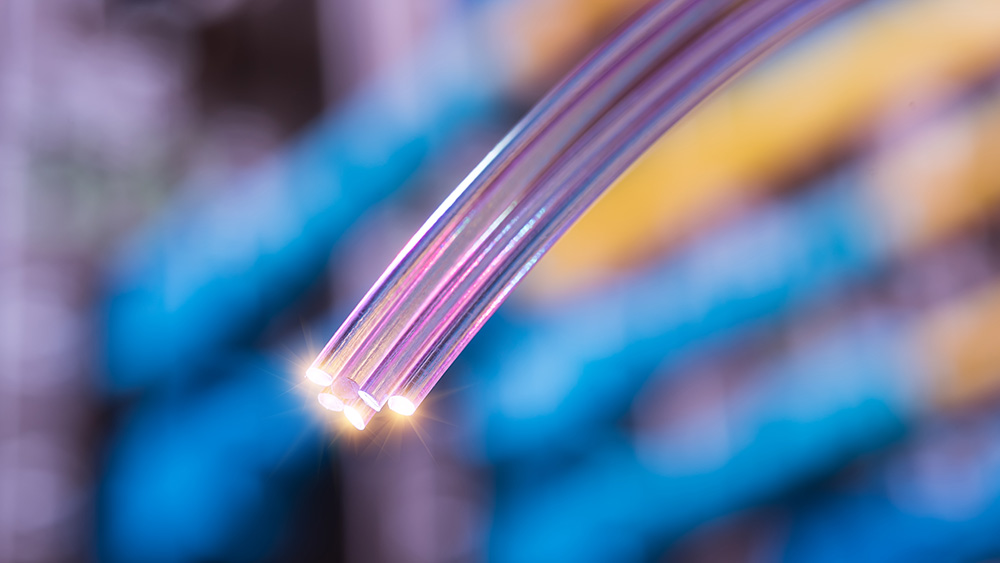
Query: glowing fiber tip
{"points": [[319, 376], [402, 405], [354, 417], [331, 402]]}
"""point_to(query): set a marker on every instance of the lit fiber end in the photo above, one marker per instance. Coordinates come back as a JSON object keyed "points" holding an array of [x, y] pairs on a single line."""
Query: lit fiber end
{"points": [[402, 405], [319, 376], [330, 402], [369, 400], [354, 417]]}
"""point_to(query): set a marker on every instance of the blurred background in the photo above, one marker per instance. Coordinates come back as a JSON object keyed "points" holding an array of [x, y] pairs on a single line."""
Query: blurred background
{"points": [[773, 340]]}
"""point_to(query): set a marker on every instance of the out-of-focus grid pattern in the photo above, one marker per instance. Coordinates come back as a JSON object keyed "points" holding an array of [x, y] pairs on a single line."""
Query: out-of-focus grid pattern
{"points": [[771, 341]]}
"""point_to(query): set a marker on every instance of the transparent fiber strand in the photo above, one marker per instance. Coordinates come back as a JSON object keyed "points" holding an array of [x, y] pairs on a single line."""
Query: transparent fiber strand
{"points": [[472, 212], [487, 235]]}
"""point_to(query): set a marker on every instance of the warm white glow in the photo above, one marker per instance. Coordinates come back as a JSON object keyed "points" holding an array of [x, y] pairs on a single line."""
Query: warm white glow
{"points": [[319, 376], [402, 405], [369, 400], [354, 417], [331, 402]]}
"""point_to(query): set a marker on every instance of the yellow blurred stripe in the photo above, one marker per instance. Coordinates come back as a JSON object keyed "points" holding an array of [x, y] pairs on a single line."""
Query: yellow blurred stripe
{"points": [[550, 36], [935, 184], [779, 119], [958, 346]]}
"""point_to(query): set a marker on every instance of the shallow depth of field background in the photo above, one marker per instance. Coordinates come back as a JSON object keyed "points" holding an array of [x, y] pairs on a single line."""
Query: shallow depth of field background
{"points": [[774, 340]]}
